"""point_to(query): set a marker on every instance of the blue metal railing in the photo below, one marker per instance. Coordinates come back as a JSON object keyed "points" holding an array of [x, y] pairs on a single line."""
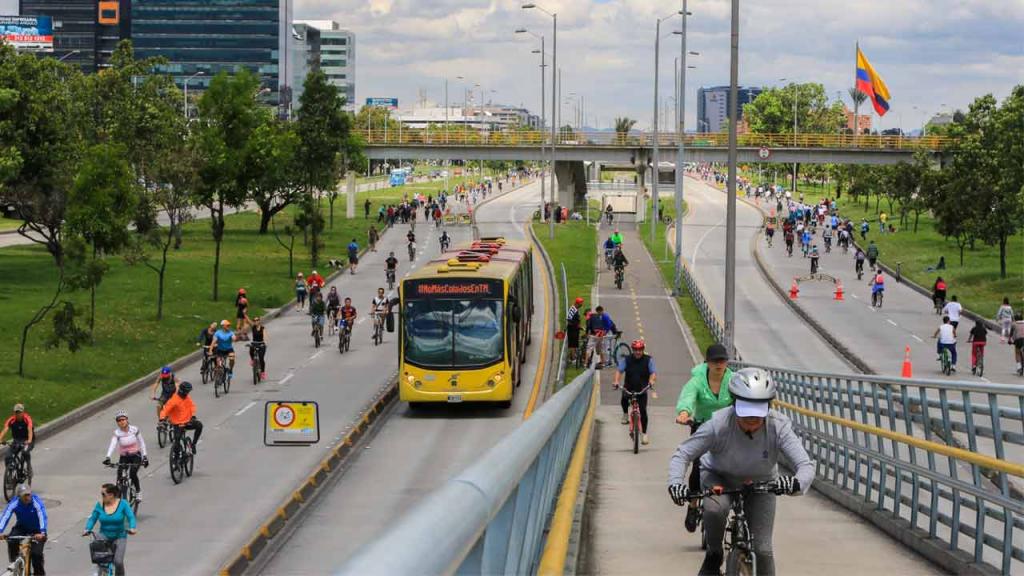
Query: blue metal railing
{"points": [[491, 517]]}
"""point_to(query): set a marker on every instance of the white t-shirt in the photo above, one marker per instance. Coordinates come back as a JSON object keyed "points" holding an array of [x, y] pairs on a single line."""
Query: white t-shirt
{"points": [[952, 309], [946, 334]]}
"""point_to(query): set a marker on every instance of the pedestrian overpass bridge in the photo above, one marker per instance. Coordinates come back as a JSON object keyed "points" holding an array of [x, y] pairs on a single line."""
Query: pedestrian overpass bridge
{"points": [[638, 147]]}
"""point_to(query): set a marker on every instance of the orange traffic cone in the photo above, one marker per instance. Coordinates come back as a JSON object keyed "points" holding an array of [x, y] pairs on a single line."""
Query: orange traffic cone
{"points": [[794, 290], [839, 290], [908, 368]]}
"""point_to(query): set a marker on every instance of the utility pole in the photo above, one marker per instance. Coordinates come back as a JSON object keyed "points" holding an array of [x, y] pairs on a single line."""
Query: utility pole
{"points": [[680, 156], [730, 210]]}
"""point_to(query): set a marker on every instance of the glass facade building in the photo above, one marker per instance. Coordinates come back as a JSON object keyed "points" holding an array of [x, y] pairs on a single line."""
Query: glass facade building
{"points": [[207, 37], [74, 28], [338, 58], [713, 106]]}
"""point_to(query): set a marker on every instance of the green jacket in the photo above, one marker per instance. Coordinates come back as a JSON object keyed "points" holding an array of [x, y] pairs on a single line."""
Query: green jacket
{"points": [[698, 400]]}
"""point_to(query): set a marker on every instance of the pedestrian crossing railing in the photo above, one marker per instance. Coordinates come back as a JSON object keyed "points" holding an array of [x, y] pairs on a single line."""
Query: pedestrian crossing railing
{"points": [[941, 459], [491, 517]]}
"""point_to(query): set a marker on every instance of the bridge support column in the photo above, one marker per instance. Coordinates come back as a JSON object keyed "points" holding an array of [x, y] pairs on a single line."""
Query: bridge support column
{"points": [[572, 184], [350, 196]]}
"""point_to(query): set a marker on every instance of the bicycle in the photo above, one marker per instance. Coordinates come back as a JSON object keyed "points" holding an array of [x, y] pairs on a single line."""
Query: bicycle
{"points": [[182, 459], [332, 321], [445, 244], [318, 332], [101, 554], [620, 276], [124, 483], [876, 298], [412, 251], [946, 361], [634, 416], [939, 304], [789, 249], [389, 274], [617, 351], [221, 380], [254, 360], [17, 470], [608, 259], [22, 565], [205, 371], [344, 338], [978, 369], [163, 431], [740, 557], [378, 328]]}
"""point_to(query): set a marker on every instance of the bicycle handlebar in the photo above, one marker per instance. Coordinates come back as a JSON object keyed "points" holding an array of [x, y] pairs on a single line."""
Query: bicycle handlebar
{"points": [[641, 392], [763, 487]]}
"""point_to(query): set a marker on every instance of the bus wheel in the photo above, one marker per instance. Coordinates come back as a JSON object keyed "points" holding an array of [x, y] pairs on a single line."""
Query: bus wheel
{"points": [[415, 406]]}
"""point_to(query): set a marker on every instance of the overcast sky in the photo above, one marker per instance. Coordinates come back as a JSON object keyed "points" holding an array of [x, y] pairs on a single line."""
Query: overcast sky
{"points": [[930, 52]]}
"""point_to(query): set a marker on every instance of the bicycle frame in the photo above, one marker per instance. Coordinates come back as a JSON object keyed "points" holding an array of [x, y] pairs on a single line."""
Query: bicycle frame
{"points": [[21, 566], [737, 530]]}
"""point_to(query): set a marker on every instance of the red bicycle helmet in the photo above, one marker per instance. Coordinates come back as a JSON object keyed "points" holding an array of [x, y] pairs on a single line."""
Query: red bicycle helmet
{"points": [[638, 344], [241, 291], [579, 301]]}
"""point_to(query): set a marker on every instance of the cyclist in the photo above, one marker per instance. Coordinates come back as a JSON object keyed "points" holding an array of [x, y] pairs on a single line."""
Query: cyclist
{"points": [[814, 258], [702, 396], [572, 329], [609, 249], [167, 382], [29, 513], [977, 338], [391, 265], [445, 241], [636, 371], [258, 350], [858, 260], [1004, 317], [348, 316], [113, 513], [242, 311], [619, 261], [180, 410], [939, 293], [300, 292], [353, 256], [131, 448], [223, 346], [379, 305], [953, 309], [599, 326], [737, 446], [608, 214], [789, 239], [318, 310], [315, 284], [333, 305], [205, 337], [1016, 338], [616, 237], [826, 234], [872, 253], [23, 433], [877, 284], [946, 333], [769, 231], [411, 238], [805, 242]]}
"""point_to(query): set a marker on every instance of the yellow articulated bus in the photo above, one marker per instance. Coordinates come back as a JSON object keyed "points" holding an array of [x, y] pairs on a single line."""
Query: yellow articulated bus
{"points": [[465, 324]]}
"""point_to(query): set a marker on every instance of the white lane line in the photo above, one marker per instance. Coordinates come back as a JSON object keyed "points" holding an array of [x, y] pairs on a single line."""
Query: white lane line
{"points": [[286, 378], [855, 296], [361, 320], [696, 247], [985, 379], [317, 353], [891, 322], [916, 337], [246, 407]]}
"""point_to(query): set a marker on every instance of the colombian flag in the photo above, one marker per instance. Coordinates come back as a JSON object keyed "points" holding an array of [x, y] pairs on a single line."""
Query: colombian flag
{"points": [[870, 83]]}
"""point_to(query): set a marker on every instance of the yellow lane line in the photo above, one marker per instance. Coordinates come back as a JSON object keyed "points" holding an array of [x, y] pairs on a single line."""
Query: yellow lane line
{"points": [[542, 363]]}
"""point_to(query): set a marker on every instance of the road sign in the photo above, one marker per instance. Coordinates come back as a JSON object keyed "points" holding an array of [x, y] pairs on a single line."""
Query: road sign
{"points": [[383, 102], [291, 423], [764, 153]]}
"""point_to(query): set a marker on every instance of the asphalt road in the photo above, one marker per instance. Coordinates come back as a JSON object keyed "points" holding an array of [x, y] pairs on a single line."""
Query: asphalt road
{"points": [[414, 452], [192, 528]]}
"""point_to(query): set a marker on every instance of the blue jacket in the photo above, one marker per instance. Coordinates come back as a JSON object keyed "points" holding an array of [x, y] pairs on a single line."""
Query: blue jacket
{"points": [[31, 517]]}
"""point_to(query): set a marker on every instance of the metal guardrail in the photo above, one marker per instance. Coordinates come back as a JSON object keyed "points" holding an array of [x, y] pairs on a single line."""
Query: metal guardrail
{"points": [[491, 517], [438, 137], [711, 319], [900, 445]]}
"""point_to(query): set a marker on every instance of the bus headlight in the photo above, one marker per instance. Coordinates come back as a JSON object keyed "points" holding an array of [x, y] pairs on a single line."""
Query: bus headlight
{"points": [[417, 384], [491, 383], [409, 378]]}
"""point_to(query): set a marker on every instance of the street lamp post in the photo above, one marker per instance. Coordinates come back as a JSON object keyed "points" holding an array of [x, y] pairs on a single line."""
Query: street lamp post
{"points": [[187, 80], [543, 115], [680, 153], [730, 210], [654, 147], [554, 104]]}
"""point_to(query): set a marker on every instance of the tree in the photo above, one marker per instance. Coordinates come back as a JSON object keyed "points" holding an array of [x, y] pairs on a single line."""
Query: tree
{"points": [[858, 97], [323, 129], [101, 205], [271, 169], [229, 114], [45, 119], [622, 127], [772, 111]]}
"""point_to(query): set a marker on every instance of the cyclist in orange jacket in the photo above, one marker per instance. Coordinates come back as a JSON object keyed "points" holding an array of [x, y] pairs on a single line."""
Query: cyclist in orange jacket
{"points": [[179, 410]]}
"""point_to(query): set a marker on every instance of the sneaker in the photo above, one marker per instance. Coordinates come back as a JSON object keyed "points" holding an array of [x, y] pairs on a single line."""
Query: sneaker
{"points": [[692, 517], [195, 449], [952, 368], [625, 419], [138, 496], [645, 440], [263, 375]]}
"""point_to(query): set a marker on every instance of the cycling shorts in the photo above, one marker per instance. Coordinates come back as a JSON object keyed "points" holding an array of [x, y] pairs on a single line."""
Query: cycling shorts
{"points": [[224, 351], [1019, 343]]}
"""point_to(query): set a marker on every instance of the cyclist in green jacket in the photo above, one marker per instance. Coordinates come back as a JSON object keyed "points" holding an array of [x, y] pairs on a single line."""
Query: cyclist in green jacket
{"points": [[706, 392]]}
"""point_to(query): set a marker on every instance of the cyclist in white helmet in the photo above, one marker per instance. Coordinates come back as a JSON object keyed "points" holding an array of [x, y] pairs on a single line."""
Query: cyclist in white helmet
{"points": [[738, 446], [130, 446]]}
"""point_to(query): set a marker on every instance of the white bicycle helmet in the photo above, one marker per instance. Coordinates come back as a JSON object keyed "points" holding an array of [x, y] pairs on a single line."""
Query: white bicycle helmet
{"points": [[752, 384], [121, 413]]}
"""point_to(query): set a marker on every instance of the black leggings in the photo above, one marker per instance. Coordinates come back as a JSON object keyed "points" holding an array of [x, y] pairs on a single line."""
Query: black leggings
{"points": [[694, 480], [133, 471], [259, 353], [642, 401], [196, 425]]}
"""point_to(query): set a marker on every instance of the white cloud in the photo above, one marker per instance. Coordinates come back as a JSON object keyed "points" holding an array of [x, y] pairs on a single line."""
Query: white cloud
{"points": [[931, 52]]}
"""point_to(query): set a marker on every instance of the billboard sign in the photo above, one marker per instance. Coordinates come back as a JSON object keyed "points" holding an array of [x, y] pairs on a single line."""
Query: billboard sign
{"points": [[27, 33], [383, 102]]}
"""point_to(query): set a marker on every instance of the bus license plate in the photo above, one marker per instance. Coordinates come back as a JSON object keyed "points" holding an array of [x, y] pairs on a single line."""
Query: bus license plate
{"points": [[454, 398]]}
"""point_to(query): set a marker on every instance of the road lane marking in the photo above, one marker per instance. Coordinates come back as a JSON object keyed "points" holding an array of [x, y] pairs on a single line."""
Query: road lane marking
{"points": [[915, 336], [286, 378], [315, 354], [246, 407], [891, 322], [541, 363]]}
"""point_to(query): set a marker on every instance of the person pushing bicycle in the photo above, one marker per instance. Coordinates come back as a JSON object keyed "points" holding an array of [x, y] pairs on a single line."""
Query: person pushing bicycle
{"points": [[637, 372]]}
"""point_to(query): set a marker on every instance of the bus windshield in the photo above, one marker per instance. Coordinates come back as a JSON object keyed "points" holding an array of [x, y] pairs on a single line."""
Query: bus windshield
{"points": [[441, 333]]}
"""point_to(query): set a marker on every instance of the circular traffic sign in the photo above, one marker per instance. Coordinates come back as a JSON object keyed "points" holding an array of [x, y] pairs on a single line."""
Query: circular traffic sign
{"points": [[764, 153], [284, 415]]}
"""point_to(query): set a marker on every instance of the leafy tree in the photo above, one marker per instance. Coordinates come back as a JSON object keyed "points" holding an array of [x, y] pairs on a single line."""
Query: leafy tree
{"points": [[271, 169], [229, 114], [374, 118], [772, 111], [622, 127]]}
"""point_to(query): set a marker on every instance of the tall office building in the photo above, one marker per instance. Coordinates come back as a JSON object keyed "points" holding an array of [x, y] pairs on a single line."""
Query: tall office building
{"points": [[201, 38], [713, 106], [337, 57], [75, 27], [305, 57]]}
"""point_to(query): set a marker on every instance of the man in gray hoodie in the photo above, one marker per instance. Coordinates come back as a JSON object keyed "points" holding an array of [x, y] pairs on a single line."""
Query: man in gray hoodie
{"points": [[740, 445]]}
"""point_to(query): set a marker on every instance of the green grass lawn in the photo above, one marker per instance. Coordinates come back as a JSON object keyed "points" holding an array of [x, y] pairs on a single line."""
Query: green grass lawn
{"points": [[128, 341], [977, 283], [575, 246], [9, 224], [657, 249]]}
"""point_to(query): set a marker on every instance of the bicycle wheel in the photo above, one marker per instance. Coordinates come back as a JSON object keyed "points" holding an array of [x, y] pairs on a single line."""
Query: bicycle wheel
{"points": [[161, 435], [255, 372], [739, 563], [10, 482], [621, 352], [316, 337], [227, 381], [634, 429], [204, 371], [981, 365], [218, 378], [189, 460], [175, 464]]}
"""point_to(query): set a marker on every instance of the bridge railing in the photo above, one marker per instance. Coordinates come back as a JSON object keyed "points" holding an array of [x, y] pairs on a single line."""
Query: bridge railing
{"points": [[942, 457], [438, 137], [491, 517]]}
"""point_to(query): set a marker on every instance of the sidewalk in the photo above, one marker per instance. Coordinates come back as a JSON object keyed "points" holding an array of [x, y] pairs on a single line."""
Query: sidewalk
{"points": [[634, 528]]}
